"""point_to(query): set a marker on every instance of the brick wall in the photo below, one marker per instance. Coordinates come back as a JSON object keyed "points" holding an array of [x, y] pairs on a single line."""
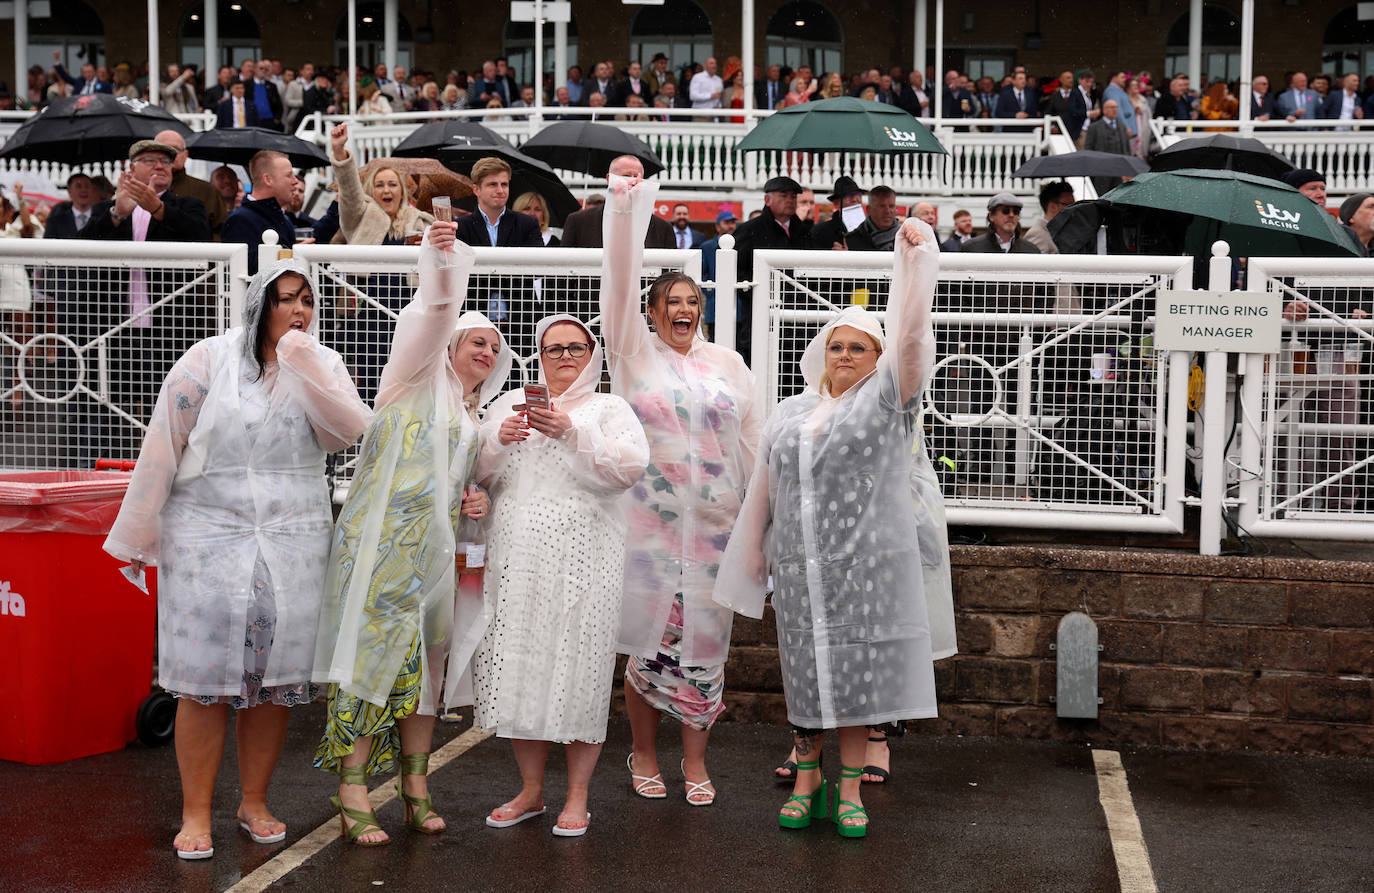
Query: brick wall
{"points": [[1198, 652]]}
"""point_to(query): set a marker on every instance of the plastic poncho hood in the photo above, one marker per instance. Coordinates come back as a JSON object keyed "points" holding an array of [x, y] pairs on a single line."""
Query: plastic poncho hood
{"points": [[500, 370], [590, 377], [813, 358], [255, 297]]}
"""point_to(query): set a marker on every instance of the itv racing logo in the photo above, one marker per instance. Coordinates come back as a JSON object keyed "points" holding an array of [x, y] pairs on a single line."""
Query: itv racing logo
{"points": [[1277, 217], [902, 139], [11, 603]]}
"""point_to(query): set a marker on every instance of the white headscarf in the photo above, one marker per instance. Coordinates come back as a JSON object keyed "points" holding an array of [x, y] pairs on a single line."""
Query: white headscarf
{"points": [[813, 358], [500, 370], [589, 379]]}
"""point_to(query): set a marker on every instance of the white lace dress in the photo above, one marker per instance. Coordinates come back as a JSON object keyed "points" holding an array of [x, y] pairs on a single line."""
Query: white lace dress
{"points": [[555, 571]]}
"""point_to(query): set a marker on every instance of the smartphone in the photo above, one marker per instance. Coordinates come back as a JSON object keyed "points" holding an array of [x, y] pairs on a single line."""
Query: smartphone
{"points": [[537, 395]]}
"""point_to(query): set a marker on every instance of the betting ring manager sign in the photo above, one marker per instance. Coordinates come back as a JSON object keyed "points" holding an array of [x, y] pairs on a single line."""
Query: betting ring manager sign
{"points": [[1231, 321]]}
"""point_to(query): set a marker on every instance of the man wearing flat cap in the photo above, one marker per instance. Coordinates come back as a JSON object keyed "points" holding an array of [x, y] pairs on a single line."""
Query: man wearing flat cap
{"points": [[830, 234], [1003, 235], [777, 226], [144, 208]]}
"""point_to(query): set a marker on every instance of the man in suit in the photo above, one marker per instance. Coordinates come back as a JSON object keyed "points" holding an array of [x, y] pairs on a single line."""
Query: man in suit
{"points": [[658, 74], [963, 231], [633, 85], [238, 110], [830, 235], [770, 91], [220, 91], [1178, 103], [914, 98], [726, 221], [1016, 100], [87, 84], [956, 102], [1262, 106], [777, 226], [67, 219], [600, 82], [145, 209], [263, 208], [1060, 104], [1004, 219], [482, 89], [1344, 104], [1108, 134], [1085, 106], [262, 93], [878, 231], [582, 229], [1298, 101], [684, 236], [493, 225]]}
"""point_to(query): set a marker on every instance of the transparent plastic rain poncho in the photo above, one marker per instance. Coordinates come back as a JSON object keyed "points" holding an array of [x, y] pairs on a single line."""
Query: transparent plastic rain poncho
{"points": [[391, 574], [830, 508], [555, 561], [702, 419], [213, 491]]}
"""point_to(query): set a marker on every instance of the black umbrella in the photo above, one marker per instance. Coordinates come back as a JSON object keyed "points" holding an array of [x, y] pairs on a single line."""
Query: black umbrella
{"points": [[1084, 163], [1223, 152], [97, 127], [588, 147], [427, 139], [527, 175], [236, 145]]}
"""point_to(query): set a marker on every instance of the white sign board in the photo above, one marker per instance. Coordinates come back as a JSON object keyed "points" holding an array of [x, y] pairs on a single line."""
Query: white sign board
{"points": [[37, 9], [555, 11], [1231, 321]]}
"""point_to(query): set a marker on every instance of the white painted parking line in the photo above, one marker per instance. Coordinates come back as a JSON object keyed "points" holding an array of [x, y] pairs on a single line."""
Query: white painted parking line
{"points": [[1128, 844], [298, 853]]}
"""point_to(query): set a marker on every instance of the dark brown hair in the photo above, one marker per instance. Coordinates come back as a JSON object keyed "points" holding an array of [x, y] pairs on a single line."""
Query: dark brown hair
{"points": [[660, 287]]}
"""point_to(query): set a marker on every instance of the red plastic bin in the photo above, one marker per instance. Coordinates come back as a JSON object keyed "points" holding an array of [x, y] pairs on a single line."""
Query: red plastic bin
{"points": [[76, 639]]}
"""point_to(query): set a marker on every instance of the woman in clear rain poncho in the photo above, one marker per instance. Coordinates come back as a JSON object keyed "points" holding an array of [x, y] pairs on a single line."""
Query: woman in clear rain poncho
{"points": [[391, 618], [555, 568], [229, 500], [697, 403], [830, 509]]}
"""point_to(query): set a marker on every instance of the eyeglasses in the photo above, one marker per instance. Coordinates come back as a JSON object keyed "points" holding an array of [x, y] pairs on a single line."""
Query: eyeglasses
{"points": [[556, 351], [855, 350], [1007, 209], [153, 161]]}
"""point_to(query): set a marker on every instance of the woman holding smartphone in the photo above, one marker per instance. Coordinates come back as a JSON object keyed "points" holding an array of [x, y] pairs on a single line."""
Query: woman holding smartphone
{"points": [[696, 401], [556, 459], [389, 622]]}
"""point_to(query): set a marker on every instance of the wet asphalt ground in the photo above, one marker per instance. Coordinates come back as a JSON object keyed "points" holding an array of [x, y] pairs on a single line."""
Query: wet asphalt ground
{"points": [[960, 814]]}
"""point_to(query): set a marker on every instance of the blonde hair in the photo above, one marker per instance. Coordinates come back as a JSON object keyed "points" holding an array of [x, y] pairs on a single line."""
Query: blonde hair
{"points": [[487, 167], [406, 186], [526, 199], [824, 384]]}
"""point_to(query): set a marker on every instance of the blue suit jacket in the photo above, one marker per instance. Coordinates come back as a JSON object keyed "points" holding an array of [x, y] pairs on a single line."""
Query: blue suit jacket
{"points": [[1288, 102], [225, 113], [1331, 108]]}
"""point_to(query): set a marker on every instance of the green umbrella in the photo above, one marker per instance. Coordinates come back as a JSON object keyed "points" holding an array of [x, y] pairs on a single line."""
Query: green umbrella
{"points": [[1256, 216], [842, 124]]}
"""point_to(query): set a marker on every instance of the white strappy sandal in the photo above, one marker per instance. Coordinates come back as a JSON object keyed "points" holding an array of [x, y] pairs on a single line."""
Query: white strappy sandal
{"points": [[696, 789], [644, 784]]}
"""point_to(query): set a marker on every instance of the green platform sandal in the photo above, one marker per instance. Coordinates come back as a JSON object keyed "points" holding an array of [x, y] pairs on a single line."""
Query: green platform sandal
{"points": [[805, 801], [854, 810], [418, 809], [363, 822]]}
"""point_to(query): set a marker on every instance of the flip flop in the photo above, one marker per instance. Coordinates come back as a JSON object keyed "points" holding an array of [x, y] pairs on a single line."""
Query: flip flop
{"points": [[247, 825], [506, 823], [559, 831], [789, 766], [194, 855]]}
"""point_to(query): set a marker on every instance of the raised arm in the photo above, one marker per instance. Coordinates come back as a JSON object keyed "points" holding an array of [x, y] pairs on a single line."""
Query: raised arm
{"points": [[629, 203], [910, 353], [317, 379], [137, 532], [420, 345]]}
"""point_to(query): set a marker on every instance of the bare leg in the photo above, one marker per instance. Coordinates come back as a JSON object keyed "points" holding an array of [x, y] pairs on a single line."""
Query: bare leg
{"points": [[853, 743], [200, 748], [417, 736], [876, 754], [643, 734], [582, 758], [694, 761], [808, 748], [260, 732], [354, 796], [530, 756]]}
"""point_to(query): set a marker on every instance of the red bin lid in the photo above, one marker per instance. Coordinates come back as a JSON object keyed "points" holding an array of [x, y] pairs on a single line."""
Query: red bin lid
{"points": [[52, 487]]}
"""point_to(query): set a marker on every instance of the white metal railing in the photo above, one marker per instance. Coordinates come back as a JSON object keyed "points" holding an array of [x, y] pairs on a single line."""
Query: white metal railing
{"points": [[698, 152], [1306, 433], [1047, 407]]}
